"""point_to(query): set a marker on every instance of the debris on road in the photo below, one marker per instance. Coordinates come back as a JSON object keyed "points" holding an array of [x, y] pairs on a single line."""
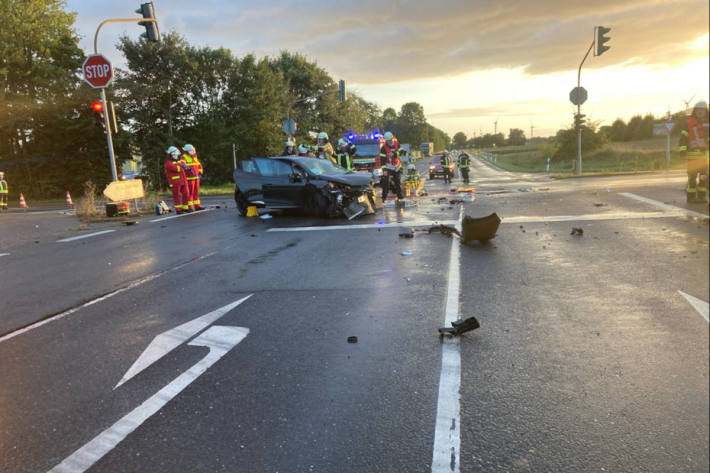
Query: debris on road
{"points": [[131, 222], [455, 201], [481, 229], [577, 231], [407, 253], [460, 326], [265, 216], [352, 339], [600, 204], [444, 230], [406, 233]]}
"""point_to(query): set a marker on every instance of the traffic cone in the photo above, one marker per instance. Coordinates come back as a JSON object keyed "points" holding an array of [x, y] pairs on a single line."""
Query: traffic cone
{"points": [[252, 212], [69, 202], [23, 204]]}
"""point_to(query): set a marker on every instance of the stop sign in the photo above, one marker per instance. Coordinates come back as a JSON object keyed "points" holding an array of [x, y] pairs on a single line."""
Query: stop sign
{"points": [[97, 70]]}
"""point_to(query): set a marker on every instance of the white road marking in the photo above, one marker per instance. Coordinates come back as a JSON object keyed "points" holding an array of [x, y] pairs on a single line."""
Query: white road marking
{"points": [[88, 235], [701, 306], [670, 208], [590, 217], [4, 254], [167, 341], [218, 339], [99, 299], [181, 215], [418, 223], [447, 436]]}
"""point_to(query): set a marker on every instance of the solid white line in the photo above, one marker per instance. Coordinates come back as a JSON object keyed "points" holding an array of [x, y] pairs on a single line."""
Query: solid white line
{"points": [[178, 216], [701, 306], [418, 223], [671, 208], [99, 299], [590, 217], [88, 235], [167, 341], [4, 254], [218, 339], [447, 434]]}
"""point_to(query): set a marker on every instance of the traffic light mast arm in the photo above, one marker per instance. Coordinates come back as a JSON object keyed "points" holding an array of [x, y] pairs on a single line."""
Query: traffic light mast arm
{"points": [[579, 71], [119, 20]]}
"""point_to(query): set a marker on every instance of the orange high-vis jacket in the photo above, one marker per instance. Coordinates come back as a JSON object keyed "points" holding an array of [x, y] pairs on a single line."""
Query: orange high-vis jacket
{"points": [[194, 164], [174, 171]]}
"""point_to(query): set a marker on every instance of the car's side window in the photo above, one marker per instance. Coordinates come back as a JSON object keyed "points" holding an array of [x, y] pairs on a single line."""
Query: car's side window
{"points": [[281, 169], [247, 165], [264, 166]]}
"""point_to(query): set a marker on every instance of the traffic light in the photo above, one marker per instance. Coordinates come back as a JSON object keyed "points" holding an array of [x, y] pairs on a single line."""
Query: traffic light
{"points": [[579, 120], [600, 39], [341, 91], [152, 33], [98, 109]]}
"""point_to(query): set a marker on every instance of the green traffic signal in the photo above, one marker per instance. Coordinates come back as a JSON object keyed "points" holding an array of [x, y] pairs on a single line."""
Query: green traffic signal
{"points": [[601, 39]]}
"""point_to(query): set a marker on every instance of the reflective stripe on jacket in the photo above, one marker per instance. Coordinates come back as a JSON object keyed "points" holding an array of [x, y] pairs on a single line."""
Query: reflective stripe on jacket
{"points": [[3, 186]]}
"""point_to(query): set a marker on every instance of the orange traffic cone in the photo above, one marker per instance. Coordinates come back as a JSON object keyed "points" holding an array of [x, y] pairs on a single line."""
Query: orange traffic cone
{"points": [[69, 202], [23, 204]]}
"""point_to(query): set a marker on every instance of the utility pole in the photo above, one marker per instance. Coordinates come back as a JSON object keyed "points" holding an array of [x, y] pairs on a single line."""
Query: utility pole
{"points": [[531, 131], [495, 126]]}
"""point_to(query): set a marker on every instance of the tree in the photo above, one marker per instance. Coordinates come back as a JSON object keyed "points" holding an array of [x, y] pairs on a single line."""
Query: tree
{"points": [[617, 132], [566, 142], [516, 137], [460, 140], [411, 123]]}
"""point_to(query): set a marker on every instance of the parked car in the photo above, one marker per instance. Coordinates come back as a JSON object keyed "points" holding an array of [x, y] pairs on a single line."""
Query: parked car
{"points": [[436, 169], [317, 186]]}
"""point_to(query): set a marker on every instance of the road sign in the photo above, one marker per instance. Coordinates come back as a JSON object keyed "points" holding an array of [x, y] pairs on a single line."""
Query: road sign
{"points": [[98, 71], [289, 126], [669, 126], [578, 95], [124, 190]]}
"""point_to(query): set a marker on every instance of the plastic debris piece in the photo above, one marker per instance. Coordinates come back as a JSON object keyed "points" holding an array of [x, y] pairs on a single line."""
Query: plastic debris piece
{"points": [[352, 339], [265, 216], [131, 222], [455, 201], [481, 229], [460, 326], [406, 233], [407, 253], [577, 231]]}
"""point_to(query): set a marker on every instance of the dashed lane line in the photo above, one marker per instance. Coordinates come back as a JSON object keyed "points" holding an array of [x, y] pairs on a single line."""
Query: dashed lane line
{"points": [[88, 235], [136, 283], [4, 254], [178, 216], [669, 208], [701, 306]]}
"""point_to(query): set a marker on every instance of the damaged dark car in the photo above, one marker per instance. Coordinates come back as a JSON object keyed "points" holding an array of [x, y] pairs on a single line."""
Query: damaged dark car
{"points": [[317, 186]]}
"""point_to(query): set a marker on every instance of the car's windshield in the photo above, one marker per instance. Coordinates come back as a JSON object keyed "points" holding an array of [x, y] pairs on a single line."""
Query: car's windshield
{"points": [[367, 150], [321, 166], [436, 160]]}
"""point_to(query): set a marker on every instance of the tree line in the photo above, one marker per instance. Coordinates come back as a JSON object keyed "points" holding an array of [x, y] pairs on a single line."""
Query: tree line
{"points": [[168, 93]]}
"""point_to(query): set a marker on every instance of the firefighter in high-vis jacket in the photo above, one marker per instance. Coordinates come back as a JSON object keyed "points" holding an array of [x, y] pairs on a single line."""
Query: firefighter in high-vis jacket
{"points": [[193, 178], [464, 162], [694, 148], [176, 170], [3, 192], [324, 150], [391, 166], [344, 154]]}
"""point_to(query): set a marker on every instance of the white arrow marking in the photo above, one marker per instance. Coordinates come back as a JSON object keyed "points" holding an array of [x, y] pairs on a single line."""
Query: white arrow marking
{"points": [[167, 341], [701, 306], [218, 339]]}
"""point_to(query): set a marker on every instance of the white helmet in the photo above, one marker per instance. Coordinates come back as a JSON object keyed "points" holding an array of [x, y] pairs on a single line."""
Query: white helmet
{"points": [[172, 150], [701, 104], [342, 142], [389, 136], [189, 149], [303, 149], [322, 135], [289, 143], [411, 166]]}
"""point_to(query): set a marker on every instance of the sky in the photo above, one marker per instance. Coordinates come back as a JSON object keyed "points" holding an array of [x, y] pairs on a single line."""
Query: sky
{"points": [[470, 63]]}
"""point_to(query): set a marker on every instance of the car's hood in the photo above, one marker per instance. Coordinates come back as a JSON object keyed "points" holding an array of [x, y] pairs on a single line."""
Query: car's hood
{"points": [[354, 179]]}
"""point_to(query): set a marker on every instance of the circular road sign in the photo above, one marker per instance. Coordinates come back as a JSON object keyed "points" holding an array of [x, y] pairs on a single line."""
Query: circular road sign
{"points": [[578, 95], [97, 70]]}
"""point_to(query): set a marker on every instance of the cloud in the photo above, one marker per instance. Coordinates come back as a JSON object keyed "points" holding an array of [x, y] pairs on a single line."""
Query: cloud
{"points": [[371, 42]]}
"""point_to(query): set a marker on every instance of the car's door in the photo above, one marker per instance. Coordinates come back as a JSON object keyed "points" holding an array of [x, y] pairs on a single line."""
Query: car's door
{"points": [[248, 181], [280, 187]]}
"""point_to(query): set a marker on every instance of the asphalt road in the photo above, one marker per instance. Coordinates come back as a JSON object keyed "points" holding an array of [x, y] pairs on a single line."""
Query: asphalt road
{"points": [[589, 356]]}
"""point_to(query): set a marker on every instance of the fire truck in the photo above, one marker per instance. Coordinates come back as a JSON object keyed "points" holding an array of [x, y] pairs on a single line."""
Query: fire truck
{"points": [[367, 154]]}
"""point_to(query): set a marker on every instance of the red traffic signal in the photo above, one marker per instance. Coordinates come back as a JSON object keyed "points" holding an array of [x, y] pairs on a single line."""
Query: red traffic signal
{"points": [[97, 106]]}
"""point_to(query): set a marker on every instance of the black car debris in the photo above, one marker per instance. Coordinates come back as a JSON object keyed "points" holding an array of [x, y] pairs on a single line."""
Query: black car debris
{"points": [[317, 186]]}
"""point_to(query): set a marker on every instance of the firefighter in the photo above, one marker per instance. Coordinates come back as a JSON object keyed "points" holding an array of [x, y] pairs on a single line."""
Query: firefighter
{"points": [[445, 165], [344, 154], [176, 172], [391, 166], [289, 149], [694, 148], [193, 176], [3, 192], [305, 151], [324, 150], [464, 162], [411, 178]]}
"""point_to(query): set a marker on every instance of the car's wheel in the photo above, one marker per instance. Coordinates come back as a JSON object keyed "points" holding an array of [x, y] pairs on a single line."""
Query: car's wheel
{"points": [[241, 201]]}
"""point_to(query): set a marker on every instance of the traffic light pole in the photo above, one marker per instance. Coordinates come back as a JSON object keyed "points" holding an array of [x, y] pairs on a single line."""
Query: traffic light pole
{"points": [[579, 111], [107, 124]]}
